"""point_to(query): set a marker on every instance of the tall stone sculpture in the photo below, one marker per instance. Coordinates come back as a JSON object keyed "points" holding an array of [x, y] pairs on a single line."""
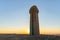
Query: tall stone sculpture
{"points": [[34, 22]]}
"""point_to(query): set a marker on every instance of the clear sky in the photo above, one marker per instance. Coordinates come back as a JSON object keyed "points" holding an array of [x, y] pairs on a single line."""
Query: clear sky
{"points": [[14, 16]]}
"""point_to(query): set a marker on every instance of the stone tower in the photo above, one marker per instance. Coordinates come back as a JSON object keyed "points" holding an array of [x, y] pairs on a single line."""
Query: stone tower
{"points": [[34, 22]]}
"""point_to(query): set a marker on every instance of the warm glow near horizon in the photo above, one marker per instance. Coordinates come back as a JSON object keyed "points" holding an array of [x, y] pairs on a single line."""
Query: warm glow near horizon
{"points": [[14, 32], [50, 32], [27, 32]]}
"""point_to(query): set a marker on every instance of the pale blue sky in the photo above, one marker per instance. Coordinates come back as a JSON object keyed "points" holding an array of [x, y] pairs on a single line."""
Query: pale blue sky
{"points": [[14, 14]]}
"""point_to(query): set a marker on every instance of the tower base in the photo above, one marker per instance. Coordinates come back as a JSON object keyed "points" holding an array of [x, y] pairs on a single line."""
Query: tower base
{"points": [[32, 38]]}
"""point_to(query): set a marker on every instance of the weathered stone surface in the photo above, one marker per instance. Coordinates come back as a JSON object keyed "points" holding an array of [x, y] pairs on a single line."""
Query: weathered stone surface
{"points": [[34, 22]]}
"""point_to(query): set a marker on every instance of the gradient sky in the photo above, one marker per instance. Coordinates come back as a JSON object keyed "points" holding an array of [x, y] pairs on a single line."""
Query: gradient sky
{"points": [[14, 16]]}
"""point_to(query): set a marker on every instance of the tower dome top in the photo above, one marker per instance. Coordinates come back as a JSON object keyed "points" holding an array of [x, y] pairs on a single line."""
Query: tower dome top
{"points": [[33, 9]]}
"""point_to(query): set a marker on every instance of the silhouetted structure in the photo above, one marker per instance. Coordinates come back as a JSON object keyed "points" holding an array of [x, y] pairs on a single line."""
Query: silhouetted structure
{"points": [[34, 23]]}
